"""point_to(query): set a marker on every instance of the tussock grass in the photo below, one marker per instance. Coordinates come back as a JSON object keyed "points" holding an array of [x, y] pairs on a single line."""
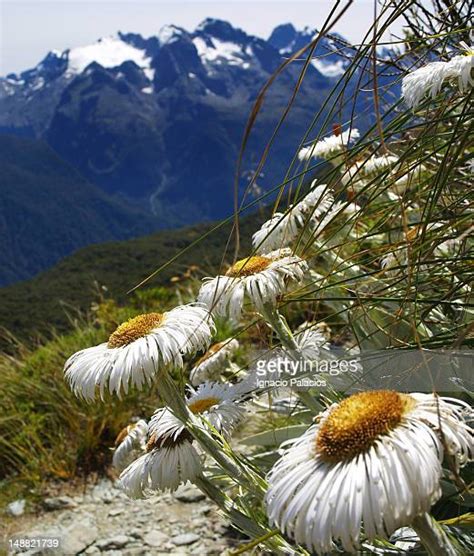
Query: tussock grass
{"points": [[45, 431]]}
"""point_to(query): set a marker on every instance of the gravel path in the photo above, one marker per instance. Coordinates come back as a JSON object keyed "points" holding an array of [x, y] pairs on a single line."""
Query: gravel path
{"points": [[103, 520]]}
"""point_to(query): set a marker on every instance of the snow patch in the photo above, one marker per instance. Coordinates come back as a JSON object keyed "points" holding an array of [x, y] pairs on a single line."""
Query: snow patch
{"points": [[8, 86], [329, 69], [169, 33], [109, 52], [219, 51], [149, 73], [39, 84], [147, 90]]}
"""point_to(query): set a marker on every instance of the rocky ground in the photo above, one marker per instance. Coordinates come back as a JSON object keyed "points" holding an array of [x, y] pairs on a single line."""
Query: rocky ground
{"points": [[102, 520]]}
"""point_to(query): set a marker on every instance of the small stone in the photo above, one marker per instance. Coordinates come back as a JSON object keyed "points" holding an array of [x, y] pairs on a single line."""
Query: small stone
{"points": [[135, 533], [155, 538], [107, 497], [143, 511], [205, 510], [58, 503], [92, 550], [136, 551], [103, 491], [189, 494], [185, 539], [17, 507], [77, 537], [115, 512], [111, 543]]}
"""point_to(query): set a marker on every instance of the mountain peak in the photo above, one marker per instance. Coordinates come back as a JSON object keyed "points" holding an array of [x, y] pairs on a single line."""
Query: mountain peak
{"points": [[150, 45], [52, 62], [170, 33], [222, 30], [283, 35], [108, 52]]}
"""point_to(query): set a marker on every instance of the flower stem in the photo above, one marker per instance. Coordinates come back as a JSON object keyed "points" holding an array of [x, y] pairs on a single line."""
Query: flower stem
{"points": [[174, 400], [280, 327], [245, 523], [432, 536]]}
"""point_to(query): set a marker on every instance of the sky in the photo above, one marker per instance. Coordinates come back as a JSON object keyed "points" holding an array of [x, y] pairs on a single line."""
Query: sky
{"points": [[31, 28]]}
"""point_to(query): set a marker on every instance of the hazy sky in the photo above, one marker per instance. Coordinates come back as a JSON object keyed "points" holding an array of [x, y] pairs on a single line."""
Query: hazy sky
{"points": [[29, 29]]}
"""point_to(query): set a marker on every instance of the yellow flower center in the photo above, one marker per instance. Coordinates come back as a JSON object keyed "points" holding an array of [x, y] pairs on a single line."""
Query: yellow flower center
{"points": [[412, 233], [357, 422], [249, 266], [133, 329], [199, 406], [155, 441], [210, 352], [123, 434]]}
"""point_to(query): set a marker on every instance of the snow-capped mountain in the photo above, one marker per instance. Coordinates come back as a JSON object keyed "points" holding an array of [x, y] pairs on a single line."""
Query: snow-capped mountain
{"points": [[28, 99], [330, 57], [159, 120]]}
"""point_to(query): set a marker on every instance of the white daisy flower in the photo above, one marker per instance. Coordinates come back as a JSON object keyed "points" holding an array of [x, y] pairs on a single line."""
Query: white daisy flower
{"points": [[352, 175], [171, 457], [394, 197], [211, 365], [260, 279], [448, 247], [329, 146], [130, 443], [138, 350], [282, 229], [395, 262], [169, 462], [351, 208], [318, 200], [277, 232], [216, 403], [429, 79], [310, 341], [375, 164], [403, 176], [373, 459]]}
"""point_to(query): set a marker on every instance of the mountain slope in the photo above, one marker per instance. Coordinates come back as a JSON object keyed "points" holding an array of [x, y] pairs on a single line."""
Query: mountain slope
{"points": [[168, 135], [157, 123], [47, 210], [160, 120], [44, 302]]}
